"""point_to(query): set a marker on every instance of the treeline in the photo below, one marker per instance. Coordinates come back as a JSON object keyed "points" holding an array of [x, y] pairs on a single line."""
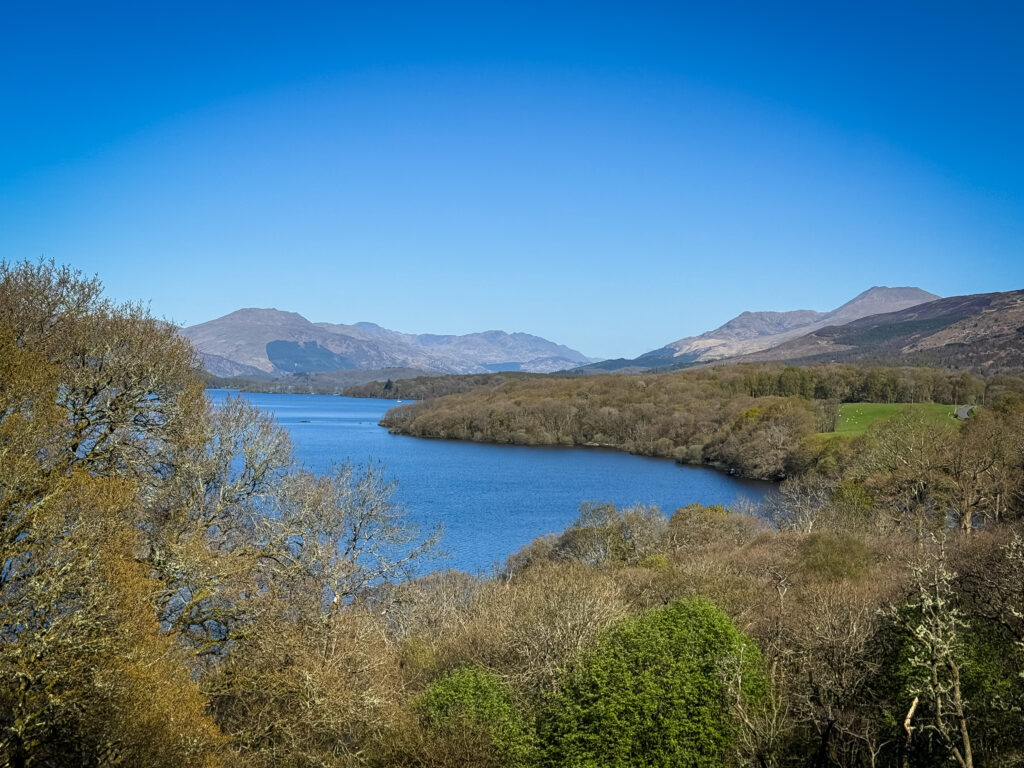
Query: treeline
{"points": [[866, 383], [312, 383], [176, 590], [386, 383], [426, 387], [761, 421]]}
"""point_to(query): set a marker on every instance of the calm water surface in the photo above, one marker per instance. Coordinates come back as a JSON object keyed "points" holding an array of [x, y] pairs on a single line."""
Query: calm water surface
{"points": [[491, 499]]}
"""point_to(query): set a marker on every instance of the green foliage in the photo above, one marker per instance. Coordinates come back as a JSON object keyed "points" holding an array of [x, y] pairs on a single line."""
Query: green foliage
{"points": [[988, 665], [657, 690], [657, 562], [992, 683], [471, 710]]}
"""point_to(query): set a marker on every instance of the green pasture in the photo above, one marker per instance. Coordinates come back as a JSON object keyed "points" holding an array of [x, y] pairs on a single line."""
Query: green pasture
{"points": [[854, 418]]}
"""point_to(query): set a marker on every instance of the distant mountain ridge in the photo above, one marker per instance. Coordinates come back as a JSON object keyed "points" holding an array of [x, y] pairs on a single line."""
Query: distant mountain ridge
{"points": [[754, 331], [982, 333], [271, 342]]}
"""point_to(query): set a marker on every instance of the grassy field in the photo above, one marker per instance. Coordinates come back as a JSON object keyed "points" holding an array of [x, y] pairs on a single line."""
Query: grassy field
{"points": [[854, 418]]}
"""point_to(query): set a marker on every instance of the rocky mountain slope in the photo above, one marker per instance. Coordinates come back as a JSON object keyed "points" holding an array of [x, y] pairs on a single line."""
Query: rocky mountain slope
{"points": [[269, 342], [754, 331], [983, 333]]}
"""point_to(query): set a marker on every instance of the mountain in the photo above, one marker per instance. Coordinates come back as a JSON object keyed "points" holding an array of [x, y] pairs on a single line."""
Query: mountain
{"points": [[221, 366], [754, 331], [269, 342], [983, 333]]}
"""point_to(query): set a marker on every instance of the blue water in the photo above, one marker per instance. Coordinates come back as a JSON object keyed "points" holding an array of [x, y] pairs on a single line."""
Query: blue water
{"points": [[491, 499]]}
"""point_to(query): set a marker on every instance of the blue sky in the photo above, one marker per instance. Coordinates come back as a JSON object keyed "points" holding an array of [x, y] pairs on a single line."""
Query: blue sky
{"points": [[612, 176]]}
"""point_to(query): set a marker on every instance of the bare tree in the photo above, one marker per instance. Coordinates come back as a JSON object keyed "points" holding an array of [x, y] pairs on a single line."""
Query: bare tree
{"points": [[902, 464], [801, 503]]}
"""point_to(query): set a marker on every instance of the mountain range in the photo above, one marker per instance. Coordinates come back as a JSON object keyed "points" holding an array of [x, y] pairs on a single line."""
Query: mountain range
{"points": [[982, 332], [755, 331], [270, 343]]}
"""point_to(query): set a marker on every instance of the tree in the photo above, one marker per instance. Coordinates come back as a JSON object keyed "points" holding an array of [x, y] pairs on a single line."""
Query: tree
{"points": [[935, 627], [97, 403], [468, 718], [216, 526], [971, 462], [604, 534], [802, 503], [86, 676], [766, 441], [127, 390], [901, 463], [342, 537], [655, 692], [304, 668], [532, 623]]}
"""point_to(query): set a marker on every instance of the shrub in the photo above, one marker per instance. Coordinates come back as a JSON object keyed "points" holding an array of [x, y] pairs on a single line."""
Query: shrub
{"points": [[657, 690], [468, 718]]}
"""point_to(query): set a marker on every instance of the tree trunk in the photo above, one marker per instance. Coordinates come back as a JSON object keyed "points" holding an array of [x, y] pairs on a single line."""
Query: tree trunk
{"points": [[822, 753]]}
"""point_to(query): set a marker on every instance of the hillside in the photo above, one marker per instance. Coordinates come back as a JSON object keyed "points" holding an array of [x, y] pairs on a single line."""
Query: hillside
{"points": [[756, 420], [269, 342], [754, 331], [982, 333]]}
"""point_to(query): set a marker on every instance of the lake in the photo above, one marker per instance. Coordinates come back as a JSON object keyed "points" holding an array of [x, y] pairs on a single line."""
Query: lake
{"points": [[491, 499]]}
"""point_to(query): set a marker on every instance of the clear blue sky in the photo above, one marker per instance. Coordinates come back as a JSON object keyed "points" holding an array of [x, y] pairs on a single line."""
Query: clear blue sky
{"points": [[610, 176]]}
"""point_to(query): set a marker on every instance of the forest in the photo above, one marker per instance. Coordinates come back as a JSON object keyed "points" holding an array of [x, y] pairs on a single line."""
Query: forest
{"points": [[176, 590], [425, 387], [755, 420], [387, 383]]}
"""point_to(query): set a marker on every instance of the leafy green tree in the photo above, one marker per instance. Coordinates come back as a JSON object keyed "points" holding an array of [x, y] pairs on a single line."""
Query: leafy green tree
{"points": [[663, 689], [468, 717]]}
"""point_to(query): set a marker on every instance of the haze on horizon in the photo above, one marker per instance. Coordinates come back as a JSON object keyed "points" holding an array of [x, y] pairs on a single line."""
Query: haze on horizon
{"points": [[607, 176]]}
